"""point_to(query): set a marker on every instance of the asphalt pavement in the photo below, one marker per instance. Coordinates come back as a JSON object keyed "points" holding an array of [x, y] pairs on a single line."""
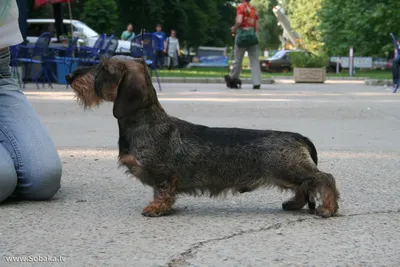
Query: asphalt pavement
{"points": [[95, 220]]}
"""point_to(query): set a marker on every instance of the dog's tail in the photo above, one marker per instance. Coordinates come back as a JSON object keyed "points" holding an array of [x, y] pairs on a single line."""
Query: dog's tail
{"points": [[310, 147]]}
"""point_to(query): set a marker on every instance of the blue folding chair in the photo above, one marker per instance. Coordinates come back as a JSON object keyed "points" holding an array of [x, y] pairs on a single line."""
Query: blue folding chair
{"points": [[90, 55], [150, 44], [112, 47], [38, 56], [68, 55], [88, 50], [397, 47], [14, 62], [106, 44]]}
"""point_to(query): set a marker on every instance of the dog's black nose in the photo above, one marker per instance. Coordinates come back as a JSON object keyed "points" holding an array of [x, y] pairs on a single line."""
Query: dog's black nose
{"points": [[68, 78]]}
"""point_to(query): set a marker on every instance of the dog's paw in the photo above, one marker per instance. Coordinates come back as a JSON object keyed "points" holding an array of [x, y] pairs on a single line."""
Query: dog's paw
{"points": [[324, 212], [151, 212]]}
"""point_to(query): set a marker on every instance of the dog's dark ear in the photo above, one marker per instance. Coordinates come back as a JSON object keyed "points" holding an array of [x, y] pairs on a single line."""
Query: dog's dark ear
{"points": [[134, 91], [129, 99], [108, 79]]}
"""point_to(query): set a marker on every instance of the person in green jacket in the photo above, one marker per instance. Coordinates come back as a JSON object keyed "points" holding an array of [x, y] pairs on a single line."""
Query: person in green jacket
{"points": [[128, 35]]}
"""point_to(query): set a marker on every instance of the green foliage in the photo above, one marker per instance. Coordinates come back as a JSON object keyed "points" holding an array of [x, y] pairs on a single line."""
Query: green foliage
{"points": [[76, 9], [363, 24], [308, 60], [269, 29], [336, 24], [101, 15], [305, 20], [197, 22]]}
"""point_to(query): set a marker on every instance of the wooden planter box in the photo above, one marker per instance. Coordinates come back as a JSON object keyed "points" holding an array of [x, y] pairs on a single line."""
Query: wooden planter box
{"points": [[309, 75]]}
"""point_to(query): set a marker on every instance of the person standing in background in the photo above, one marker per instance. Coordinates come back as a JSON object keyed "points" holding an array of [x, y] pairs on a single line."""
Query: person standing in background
{"points": [[172, 50], [160, 50], [246, 20], [396, 63], [128, 35]]}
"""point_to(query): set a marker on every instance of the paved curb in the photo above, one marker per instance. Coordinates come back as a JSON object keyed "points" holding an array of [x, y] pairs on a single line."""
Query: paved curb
{"points": [[204, 80], [330, 78], [377, 82], [265, 81]]}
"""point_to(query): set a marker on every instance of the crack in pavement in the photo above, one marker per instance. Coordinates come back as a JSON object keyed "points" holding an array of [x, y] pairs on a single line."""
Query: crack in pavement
{"points": [[181, 258]]}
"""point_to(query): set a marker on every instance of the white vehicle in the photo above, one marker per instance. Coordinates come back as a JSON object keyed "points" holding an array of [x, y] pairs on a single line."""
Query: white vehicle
{"points": [[87, 35]]}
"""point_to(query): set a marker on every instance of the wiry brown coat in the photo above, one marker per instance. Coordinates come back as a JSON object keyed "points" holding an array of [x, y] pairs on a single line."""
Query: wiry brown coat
{"points": [[174, 156]]}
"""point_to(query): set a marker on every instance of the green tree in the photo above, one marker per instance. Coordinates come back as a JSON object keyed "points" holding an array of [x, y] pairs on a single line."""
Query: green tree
{"points": [[363, 24], [225, 19], [305, 20], [269, 29], [76, 9], [101, 15], [197, 22]]}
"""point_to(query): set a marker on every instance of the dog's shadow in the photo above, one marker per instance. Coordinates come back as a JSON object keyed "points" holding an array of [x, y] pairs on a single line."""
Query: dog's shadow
{"points": [[233, 211]]}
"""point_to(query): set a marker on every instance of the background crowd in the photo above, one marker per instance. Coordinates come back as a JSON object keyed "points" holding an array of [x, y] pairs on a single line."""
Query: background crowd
{"points": [[168, 49]]}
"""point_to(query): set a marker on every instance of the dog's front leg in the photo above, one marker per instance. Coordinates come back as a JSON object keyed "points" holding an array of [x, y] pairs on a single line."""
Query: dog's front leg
{"points": [[164, 198]]}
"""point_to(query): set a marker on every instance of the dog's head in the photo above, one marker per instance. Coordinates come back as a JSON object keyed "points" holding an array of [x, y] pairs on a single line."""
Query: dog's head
{"points": [[123, 81]]}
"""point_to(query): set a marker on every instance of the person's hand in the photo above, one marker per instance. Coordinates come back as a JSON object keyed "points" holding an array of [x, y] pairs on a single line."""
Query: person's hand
{"points": [[233, 30], [165, 51]]}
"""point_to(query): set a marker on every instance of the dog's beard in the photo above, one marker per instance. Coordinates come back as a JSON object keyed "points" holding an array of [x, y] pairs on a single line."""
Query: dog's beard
{"points": [[84, 91]]}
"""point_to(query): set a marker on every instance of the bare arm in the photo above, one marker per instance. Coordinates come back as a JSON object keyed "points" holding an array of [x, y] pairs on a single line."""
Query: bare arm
{"points": [[239, 20]]}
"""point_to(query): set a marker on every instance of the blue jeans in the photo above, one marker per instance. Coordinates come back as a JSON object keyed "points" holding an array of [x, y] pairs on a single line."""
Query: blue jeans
{"points": [[159, 59], [30, 167]]}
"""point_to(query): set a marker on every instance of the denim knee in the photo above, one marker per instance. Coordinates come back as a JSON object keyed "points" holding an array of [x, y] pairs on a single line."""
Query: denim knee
{"points": [[8, 182], [8, 175], [40, 179]]}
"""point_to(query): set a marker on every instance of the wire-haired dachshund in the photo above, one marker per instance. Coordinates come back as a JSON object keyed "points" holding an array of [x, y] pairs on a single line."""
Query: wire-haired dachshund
{"points": [[175, 157]]}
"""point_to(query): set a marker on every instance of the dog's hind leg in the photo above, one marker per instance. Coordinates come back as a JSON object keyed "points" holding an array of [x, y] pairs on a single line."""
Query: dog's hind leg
{"points": [[303, 195], [311, 201], [297, 202], [164, 198], [322, 183], [326, 187]]}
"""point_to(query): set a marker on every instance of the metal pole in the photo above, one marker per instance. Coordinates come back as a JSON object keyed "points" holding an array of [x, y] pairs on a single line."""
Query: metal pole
{"points": [[70, 17], [337, 65], [351, 62], [142, 31]]}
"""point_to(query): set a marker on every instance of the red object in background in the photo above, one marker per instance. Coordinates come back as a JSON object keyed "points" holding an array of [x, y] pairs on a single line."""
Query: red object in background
{"points": [[40, 3], [59, 1]]}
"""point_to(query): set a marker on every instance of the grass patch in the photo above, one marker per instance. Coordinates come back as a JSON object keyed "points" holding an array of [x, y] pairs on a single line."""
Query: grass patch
{"points": [[202, 73], [220, 72]]}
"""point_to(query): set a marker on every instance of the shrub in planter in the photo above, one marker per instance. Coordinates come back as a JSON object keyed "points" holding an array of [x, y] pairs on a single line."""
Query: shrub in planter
{"points": [[309, 67]]}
